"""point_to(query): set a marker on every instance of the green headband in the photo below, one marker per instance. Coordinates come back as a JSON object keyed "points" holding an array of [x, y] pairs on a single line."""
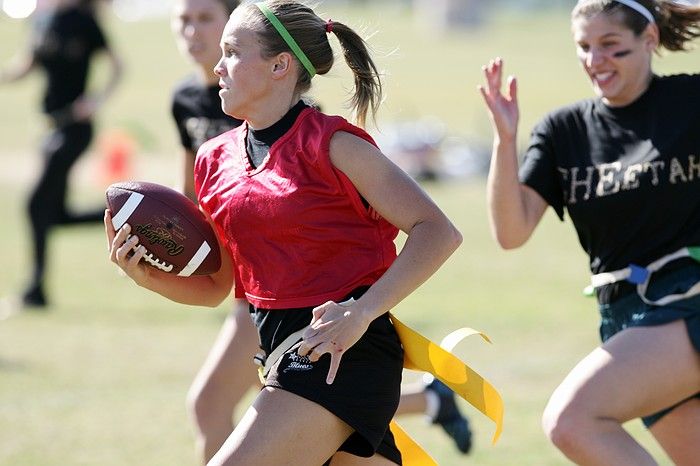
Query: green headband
{"points": [[287, 38]]}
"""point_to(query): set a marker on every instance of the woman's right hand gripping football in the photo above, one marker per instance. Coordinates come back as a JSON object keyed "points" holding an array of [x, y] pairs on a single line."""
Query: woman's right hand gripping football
{"points": [[125, 251], [200, 290], [503, 108]]}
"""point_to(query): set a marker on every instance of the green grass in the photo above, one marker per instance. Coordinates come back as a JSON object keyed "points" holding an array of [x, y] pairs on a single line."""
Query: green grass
{"points": [[101, 377]]}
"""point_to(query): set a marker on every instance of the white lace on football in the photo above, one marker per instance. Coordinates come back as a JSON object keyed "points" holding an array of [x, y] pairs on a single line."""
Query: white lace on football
{"points": [[155, 262]]}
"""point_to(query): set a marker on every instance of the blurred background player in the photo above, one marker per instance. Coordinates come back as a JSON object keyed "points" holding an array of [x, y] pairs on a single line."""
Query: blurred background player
{"points": [[66, 38], [228, 371]]}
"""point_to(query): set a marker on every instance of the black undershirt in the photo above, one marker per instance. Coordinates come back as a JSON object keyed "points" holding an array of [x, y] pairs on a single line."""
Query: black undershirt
{"points": [[259, 141]]}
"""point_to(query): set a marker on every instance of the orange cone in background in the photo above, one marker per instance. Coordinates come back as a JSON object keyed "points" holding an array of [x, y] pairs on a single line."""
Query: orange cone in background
{"points": [[116, 156]]}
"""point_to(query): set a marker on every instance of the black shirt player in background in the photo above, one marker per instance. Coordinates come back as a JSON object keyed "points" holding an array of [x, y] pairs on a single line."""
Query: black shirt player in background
{"points": [[228, 371], [64, 41], [626, 167]]}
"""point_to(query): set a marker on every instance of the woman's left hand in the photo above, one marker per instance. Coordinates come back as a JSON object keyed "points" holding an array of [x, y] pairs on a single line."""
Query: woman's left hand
{"points": [[334, 329]]}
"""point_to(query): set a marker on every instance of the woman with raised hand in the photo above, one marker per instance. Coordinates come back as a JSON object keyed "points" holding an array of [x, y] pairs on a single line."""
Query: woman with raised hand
{"points": [[307, 209], [626, 167]]}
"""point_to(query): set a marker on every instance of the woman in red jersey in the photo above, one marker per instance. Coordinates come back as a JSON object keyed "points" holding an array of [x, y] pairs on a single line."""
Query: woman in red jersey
{"points": [[228, 371], [306, 208]]}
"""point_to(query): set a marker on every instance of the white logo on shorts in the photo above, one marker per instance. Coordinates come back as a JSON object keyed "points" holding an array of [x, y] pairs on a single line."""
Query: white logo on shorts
{"points": [[298, 363]]}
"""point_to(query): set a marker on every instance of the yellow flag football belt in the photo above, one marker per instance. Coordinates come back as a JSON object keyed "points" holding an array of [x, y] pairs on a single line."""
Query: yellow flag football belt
{"points": [[421, 354]]}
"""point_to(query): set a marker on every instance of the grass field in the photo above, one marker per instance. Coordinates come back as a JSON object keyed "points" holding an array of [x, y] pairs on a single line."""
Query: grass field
{"points": [[100, 378]]}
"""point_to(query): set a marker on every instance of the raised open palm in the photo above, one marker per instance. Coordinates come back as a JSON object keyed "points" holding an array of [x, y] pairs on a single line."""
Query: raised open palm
{"points": [[503, 108]]}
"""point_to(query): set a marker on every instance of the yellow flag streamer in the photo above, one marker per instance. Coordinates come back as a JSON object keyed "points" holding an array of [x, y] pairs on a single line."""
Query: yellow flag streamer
{"points": [[451, 341], [422, 354], [412, 454]]}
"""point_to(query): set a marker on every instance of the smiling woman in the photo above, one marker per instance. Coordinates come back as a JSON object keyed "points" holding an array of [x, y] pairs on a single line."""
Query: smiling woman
{"points": [[617, 60], [624, 166]]}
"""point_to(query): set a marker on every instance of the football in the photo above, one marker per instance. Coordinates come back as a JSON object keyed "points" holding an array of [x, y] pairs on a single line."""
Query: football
{"points": [[177, 237]]}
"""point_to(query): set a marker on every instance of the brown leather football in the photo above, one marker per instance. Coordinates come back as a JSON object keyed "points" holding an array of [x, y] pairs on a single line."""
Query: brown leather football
{"points": [[177, 237]]}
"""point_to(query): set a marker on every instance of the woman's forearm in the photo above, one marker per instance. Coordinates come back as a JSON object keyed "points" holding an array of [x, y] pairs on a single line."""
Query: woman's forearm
{"points": [[507, 206]]}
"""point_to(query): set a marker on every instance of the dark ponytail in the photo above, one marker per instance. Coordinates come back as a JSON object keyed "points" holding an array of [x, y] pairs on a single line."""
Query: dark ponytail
{"points": [[678, 24], [368, 85], [310, 33]]}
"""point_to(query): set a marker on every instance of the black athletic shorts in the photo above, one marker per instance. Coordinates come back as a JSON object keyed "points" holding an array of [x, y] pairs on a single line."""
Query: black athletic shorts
{"points": [[366, 389], [630, 311]]}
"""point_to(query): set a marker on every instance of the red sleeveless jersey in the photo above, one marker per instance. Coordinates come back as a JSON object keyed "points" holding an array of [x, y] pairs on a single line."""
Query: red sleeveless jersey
{"points": [[295, 226]]}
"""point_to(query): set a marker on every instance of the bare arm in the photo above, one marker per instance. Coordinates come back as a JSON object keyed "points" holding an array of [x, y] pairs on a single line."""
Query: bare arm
{"points": [[431, 240], [199, 290], [86, 106], [514, 209], [115, 76]]}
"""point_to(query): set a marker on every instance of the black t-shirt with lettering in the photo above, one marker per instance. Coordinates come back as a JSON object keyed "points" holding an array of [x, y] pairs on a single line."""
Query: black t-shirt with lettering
{"points": [[198, 114], [629, 177], [63, 43]]}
